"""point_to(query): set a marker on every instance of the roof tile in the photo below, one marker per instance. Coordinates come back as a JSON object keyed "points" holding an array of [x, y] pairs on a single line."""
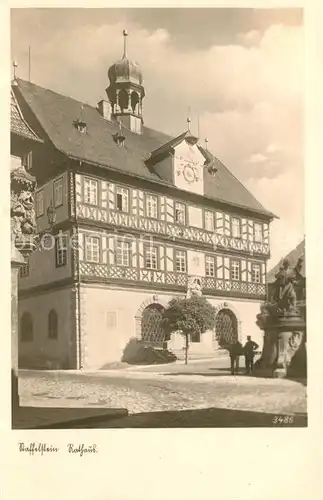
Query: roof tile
{"points": [[17, 123]]}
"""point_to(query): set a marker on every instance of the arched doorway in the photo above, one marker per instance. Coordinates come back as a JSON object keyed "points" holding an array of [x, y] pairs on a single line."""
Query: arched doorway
{"points": [[226, 327], [152, 332]]}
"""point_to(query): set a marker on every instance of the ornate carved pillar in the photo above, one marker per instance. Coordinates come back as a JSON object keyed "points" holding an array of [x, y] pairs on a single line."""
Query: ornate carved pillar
{"points": [[23, 229]]}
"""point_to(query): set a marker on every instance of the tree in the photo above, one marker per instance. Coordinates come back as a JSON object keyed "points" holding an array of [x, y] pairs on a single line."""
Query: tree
{"points": [[188, 316]]}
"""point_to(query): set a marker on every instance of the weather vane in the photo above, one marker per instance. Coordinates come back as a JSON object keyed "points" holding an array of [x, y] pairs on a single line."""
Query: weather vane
{"points": [[125, 34]]}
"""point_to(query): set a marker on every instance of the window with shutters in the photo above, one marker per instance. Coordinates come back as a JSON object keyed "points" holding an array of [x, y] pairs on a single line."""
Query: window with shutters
{"points": [[151, 206], [235, 227], [122, 199], [209, 220], [92, 249], [40, 203], [209, 266], [180, 261], [151, 257], [179, 213], [58, 192], [255, 273], [61, 250], [235, 270], [90, 191], [122, 253]]}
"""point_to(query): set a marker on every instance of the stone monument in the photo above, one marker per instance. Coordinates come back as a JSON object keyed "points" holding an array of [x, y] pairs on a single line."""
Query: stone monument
{"points": [[23, 242], [283, 320]]}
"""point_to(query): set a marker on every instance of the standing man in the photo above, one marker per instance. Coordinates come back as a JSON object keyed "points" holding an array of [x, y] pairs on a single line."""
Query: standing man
{"points": [[235, 351], [249, 353]]}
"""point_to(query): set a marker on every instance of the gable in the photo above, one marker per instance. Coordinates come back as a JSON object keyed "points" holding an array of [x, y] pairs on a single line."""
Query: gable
{"points": [[188, 168]]}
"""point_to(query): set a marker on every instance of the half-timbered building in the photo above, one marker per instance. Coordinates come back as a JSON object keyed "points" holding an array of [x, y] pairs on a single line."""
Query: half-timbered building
{"points": [[127, 218]]}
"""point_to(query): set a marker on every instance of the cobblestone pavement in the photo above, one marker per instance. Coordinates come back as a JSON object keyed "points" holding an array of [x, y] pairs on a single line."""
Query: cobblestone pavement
{"points": [[171, 387]]}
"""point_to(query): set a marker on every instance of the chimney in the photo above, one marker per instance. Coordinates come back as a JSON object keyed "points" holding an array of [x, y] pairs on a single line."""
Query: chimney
{"points": [[105, 110]]}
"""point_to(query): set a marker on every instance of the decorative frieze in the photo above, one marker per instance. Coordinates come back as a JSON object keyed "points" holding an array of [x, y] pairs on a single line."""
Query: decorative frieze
{"points": [[170, 230], [170, 279], [227, 230]]}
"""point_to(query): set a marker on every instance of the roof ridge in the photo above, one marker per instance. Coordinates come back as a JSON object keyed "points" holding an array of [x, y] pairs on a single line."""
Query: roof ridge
{"points": [[66, 96], [59, 94]]}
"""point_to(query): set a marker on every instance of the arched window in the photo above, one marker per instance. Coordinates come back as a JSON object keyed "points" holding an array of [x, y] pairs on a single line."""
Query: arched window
{"points": [[123, 99], [134, 102], [26, 327], [52, 325]]}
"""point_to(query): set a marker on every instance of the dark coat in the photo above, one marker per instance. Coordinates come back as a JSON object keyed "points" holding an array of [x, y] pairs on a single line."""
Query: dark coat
{"points": [[235, 349], [250, 348]]}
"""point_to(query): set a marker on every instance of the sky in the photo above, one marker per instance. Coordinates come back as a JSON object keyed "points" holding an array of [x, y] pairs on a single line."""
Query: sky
{"points": [[240, 71]]}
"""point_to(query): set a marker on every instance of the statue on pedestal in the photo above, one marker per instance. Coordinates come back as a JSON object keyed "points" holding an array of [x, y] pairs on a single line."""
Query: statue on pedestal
{"points": [[282, 322], [194, 287], [284, 292]]}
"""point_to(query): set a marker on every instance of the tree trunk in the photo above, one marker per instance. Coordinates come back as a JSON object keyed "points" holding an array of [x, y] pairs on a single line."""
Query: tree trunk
{"points": [[186, 348]]}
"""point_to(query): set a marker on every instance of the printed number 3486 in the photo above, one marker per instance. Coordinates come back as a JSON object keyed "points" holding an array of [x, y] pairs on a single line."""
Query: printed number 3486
{"points": [[283, 419]]}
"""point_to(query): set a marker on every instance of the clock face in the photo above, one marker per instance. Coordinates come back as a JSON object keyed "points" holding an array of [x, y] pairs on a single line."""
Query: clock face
{"points": [[189, 173]]}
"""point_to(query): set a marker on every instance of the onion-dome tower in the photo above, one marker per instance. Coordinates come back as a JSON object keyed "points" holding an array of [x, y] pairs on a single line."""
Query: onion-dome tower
{"points": [[126, 91]]}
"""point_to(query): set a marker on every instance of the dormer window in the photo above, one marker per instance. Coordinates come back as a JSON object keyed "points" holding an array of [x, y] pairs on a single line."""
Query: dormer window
{"points": [[119, 138], [81, 126]]}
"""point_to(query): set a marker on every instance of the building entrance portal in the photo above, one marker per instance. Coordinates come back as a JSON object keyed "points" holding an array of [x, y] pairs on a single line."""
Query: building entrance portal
{"points": [[152, 332], [226, 327]]}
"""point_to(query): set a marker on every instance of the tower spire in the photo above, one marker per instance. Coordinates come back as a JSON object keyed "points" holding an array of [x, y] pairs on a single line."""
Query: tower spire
{"points": [[126, 91], [125, 34], [188, 119]]}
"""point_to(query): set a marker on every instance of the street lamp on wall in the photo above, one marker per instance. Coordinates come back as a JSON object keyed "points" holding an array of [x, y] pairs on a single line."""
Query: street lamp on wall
{"points": [[51, 214]]}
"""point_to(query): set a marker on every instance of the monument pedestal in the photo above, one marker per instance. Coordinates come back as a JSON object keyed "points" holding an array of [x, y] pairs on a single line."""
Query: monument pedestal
{"points": [[284, 351]]}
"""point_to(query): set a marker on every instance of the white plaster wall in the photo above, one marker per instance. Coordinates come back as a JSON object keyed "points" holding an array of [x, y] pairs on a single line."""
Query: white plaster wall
{"points": [[41, 346], [109, 321], [42, 265]]}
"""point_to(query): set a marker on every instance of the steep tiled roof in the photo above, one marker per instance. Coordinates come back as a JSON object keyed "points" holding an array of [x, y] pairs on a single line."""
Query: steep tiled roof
{"points": [[56, 114], [293, 257], [17, 123]]}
